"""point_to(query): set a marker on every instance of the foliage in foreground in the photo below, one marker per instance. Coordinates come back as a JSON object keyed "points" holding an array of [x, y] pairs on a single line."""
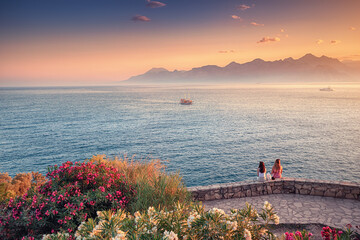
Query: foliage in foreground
{"points": [[328, 233], [73, 192], [153, 185], [20, 184], [184, 222]]}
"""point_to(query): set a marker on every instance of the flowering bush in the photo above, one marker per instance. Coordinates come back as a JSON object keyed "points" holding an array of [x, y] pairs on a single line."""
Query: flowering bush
{"points": [[73, 193], [303, 235], [154, 186], [327, 233], [184, 222]]}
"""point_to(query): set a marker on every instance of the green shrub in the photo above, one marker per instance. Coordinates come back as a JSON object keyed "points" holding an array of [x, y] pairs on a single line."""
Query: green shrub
{"points": [[154, 186], [184, 222]]}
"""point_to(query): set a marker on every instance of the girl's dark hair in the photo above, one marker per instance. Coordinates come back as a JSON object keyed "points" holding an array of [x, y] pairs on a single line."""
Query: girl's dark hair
{"points": [[262, 167]]}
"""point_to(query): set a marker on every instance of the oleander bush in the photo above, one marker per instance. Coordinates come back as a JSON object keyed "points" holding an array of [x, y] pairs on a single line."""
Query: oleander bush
{"points": [[349, 233], [183, 222], [154, 186], [298, 235], [73, 192]]}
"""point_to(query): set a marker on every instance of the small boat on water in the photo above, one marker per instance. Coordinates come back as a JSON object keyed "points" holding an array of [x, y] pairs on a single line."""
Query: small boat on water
{"points": [[328, 89], [184, 101]]}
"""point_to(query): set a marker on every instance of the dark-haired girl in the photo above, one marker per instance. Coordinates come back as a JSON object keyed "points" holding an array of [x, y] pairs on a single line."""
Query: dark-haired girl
{"points": [[261, 171]]}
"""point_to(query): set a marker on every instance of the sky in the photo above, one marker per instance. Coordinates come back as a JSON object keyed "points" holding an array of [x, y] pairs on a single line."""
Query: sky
{"points": [[99, 42]]}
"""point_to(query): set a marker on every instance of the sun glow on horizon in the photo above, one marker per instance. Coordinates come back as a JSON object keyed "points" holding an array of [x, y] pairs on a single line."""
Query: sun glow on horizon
{"points": [[105, 55]]}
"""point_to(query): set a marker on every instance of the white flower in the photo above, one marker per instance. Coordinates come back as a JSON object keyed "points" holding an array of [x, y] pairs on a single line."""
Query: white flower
{"points": [[193, 216], [46, 237], [137, 216], [276, 219], [216, 210], [120, 236], [151, 211], [267, 205], [247, 234], [170, 235], [231, 225], [82, 224]]}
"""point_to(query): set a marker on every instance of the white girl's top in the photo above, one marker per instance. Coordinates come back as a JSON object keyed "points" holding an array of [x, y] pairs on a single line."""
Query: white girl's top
{"points": [[262, 176]]}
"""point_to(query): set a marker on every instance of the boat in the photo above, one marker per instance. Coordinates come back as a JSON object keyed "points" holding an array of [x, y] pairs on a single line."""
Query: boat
{"points": [[328, 89], [184, 101]]}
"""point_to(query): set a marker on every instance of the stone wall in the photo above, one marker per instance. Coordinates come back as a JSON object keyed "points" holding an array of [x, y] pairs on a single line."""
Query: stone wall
{"points": [[284, 185]]}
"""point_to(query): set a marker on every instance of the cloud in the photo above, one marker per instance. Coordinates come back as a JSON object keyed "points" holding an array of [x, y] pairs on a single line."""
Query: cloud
{"points": [[319, 41], [139, 18], [243, 7], [224, 51], [257, 24], [236, 17], [282, 30], [155, 4], [269, 39], [352, 28], [335, 42], [353, 57]]}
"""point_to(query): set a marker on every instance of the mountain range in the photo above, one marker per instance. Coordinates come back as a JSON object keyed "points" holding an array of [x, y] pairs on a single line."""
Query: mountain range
{"points": [[308, 68]]}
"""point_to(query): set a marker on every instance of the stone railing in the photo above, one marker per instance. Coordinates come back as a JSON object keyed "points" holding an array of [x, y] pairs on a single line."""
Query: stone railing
{"points": [[285, 185]]}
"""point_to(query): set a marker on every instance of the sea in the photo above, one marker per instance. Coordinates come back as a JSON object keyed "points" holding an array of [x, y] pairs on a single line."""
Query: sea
{"points": [[220, 138]]}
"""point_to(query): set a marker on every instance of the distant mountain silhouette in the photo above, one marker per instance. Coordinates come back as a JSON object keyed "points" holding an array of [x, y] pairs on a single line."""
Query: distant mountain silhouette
{"points": [[308, 68]]}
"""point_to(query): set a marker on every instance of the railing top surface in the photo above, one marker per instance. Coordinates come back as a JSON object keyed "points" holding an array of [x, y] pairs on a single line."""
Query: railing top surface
{"points": [[285, 179]]}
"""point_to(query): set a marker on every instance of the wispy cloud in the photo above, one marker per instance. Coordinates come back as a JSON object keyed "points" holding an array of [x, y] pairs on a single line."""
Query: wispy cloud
{"points": [[155, 4], [353, 57], [282, 30], [352, 28], [257, 24], [319, 41], [140, 18], [243, 7], [225, 51], [236, 17], [269, 39], [333, 42]]}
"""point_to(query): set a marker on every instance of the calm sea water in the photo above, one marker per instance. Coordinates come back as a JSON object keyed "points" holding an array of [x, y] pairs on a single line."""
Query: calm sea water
{"points": [[220, 138]]}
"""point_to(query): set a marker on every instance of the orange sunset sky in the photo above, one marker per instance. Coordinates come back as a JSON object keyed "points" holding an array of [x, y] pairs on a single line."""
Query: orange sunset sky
{"points": [[56, 43]]}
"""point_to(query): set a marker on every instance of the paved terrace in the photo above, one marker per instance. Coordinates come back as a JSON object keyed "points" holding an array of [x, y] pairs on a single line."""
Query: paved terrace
{"points": [[300, 209], [296, 201]]}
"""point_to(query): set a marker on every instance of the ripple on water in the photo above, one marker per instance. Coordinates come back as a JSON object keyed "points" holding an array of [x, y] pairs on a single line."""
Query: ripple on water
{"points": [[220, 138]]}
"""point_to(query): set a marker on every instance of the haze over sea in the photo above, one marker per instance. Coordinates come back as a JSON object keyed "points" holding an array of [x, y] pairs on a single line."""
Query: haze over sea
{"points": [[220, 138]]}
